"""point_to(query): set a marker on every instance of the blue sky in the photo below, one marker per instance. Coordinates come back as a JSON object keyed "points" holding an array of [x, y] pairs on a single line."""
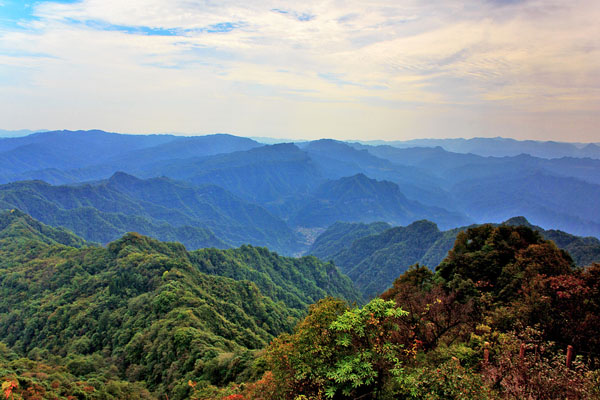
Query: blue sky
{"points": [[15, 12], [527, 69]]}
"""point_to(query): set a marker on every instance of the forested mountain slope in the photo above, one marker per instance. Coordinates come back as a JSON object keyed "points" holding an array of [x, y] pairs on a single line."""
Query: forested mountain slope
{"points": [[159, 207], [375, 259], [149, 310], [341, 235], [500, 318], [17, 228]]}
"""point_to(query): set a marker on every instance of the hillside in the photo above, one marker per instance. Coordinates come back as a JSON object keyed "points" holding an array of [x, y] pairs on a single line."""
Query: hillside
{"points": [[150, 310], [374, 260], [16, 228], [341, 235], [583, 250], [500, 318], [159, 207]]}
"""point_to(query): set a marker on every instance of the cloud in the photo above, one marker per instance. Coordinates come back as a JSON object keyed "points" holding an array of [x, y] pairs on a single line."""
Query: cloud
{"points": [[434, 68], [303, 17]]}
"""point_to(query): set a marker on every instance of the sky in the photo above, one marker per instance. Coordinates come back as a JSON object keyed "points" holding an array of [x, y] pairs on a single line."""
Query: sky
{"points": [[368, 69]]}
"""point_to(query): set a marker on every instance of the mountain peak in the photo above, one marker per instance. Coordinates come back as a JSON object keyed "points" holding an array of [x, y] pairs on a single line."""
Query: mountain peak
{"points": [[423, 224], [517, 221], [133, 240], [360, 177], [281, 147], [324, 144], [121, 177]]}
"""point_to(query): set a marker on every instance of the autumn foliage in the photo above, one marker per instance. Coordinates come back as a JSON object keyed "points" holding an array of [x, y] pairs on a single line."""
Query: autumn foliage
{"points": [[499, 290]]}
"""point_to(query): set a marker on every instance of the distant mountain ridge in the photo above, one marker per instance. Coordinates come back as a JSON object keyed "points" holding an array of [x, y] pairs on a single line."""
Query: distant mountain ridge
{"points": [[492, 189], [6, 133], [310, 185], [502, 147], [74, 152]]}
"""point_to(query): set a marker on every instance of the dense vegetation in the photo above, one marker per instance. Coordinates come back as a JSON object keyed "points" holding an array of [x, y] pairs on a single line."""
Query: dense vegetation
{"points": [[493, 322], [57, 378], [374, 259], [145, 311], [146, 319]]}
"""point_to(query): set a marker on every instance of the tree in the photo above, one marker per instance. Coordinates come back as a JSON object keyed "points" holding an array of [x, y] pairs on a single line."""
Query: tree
{"points": [[339, 353], [434, 312]]}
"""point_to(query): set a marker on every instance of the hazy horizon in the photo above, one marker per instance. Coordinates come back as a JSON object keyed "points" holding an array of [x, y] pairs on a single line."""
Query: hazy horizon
{"points": [[6, 133], [525, 69]]}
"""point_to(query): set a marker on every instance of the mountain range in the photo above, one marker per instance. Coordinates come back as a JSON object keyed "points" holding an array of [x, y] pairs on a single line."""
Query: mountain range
{"points": [[503, 147], [280, 195], [161, 207]]}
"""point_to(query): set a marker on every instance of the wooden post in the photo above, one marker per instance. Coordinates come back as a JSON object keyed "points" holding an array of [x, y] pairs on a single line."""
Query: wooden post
{"points": [[569, 355], [522, 352], [486, 352]]}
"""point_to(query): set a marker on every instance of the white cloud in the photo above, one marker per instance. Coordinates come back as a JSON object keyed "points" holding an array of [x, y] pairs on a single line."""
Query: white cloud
{"points": [[434, 68]]}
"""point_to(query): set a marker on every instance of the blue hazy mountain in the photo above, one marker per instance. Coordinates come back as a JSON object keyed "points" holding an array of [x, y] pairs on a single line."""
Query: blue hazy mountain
{"points": [[455, 167], [71, 156], [4, 133], [558, 202], [362, 199], [501, 147], [314, 184], [264, 174], [559, 193], [338, 159]]}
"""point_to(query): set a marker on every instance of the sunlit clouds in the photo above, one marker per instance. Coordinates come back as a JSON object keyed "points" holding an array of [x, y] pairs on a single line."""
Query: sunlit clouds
{"points": [[368, 69]]}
